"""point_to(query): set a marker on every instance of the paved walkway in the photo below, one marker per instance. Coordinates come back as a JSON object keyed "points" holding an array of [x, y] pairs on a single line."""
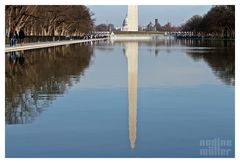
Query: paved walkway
{"points": [[37, 45]]}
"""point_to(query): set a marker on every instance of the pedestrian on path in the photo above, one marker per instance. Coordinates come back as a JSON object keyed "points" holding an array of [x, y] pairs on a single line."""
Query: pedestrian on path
{"points": [[21, 35], [13, 36]]}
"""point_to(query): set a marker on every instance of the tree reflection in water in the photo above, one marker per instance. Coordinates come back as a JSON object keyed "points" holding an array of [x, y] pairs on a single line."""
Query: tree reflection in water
{"points": [[221, 59], [33, 82], [219, 55]]}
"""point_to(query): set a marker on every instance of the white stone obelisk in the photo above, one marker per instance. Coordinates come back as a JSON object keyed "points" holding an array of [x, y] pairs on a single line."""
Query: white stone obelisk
{"points": [[132, 18]]}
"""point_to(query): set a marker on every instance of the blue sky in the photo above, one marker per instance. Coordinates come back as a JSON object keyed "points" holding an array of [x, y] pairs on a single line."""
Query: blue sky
{"points": [[175, 14]]}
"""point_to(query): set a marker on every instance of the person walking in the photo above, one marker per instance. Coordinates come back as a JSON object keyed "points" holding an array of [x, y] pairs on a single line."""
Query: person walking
{"points": [[21, 36]]}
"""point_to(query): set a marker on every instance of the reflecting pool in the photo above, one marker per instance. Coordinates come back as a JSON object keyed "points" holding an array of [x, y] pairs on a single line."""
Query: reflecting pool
{"points": [[159, 98]]}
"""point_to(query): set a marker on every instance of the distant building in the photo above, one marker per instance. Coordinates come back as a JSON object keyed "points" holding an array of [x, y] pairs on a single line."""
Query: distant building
{"points": [[125, 24], [142, 28], [151, 27], [157, 25], [118, 28], [111, 27]]}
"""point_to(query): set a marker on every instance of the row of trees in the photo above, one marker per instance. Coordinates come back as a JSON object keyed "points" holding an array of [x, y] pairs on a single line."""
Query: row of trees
{"points": [[219, 22], [46, 20], [105, 27]]}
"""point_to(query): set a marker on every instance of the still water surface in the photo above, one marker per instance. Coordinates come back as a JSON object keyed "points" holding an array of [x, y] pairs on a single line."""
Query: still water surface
{"points": [[122, 99]]}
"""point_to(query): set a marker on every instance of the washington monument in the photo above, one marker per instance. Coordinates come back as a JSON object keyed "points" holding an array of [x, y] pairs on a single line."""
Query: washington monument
{"points": [[132, 18], [130, 23]]}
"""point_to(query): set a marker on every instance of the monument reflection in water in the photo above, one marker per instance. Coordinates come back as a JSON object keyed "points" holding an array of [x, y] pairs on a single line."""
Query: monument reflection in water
{"points": [[131, 52]]}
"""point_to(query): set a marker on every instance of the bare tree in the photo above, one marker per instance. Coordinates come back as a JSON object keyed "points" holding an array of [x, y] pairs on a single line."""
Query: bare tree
{"points": [[218, 21], [46, 20]]}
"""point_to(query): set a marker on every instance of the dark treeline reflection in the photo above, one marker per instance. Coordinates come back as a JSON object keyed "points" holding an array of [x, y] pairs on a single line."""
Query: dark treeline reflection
{"points": [[221, 58], [37, 77], [219, 55]]}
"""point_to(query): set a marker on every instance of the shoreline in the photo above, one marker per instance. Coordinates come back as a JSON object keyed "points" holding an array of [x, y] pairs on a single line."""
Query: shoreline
{"points": [[38, 45]]}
